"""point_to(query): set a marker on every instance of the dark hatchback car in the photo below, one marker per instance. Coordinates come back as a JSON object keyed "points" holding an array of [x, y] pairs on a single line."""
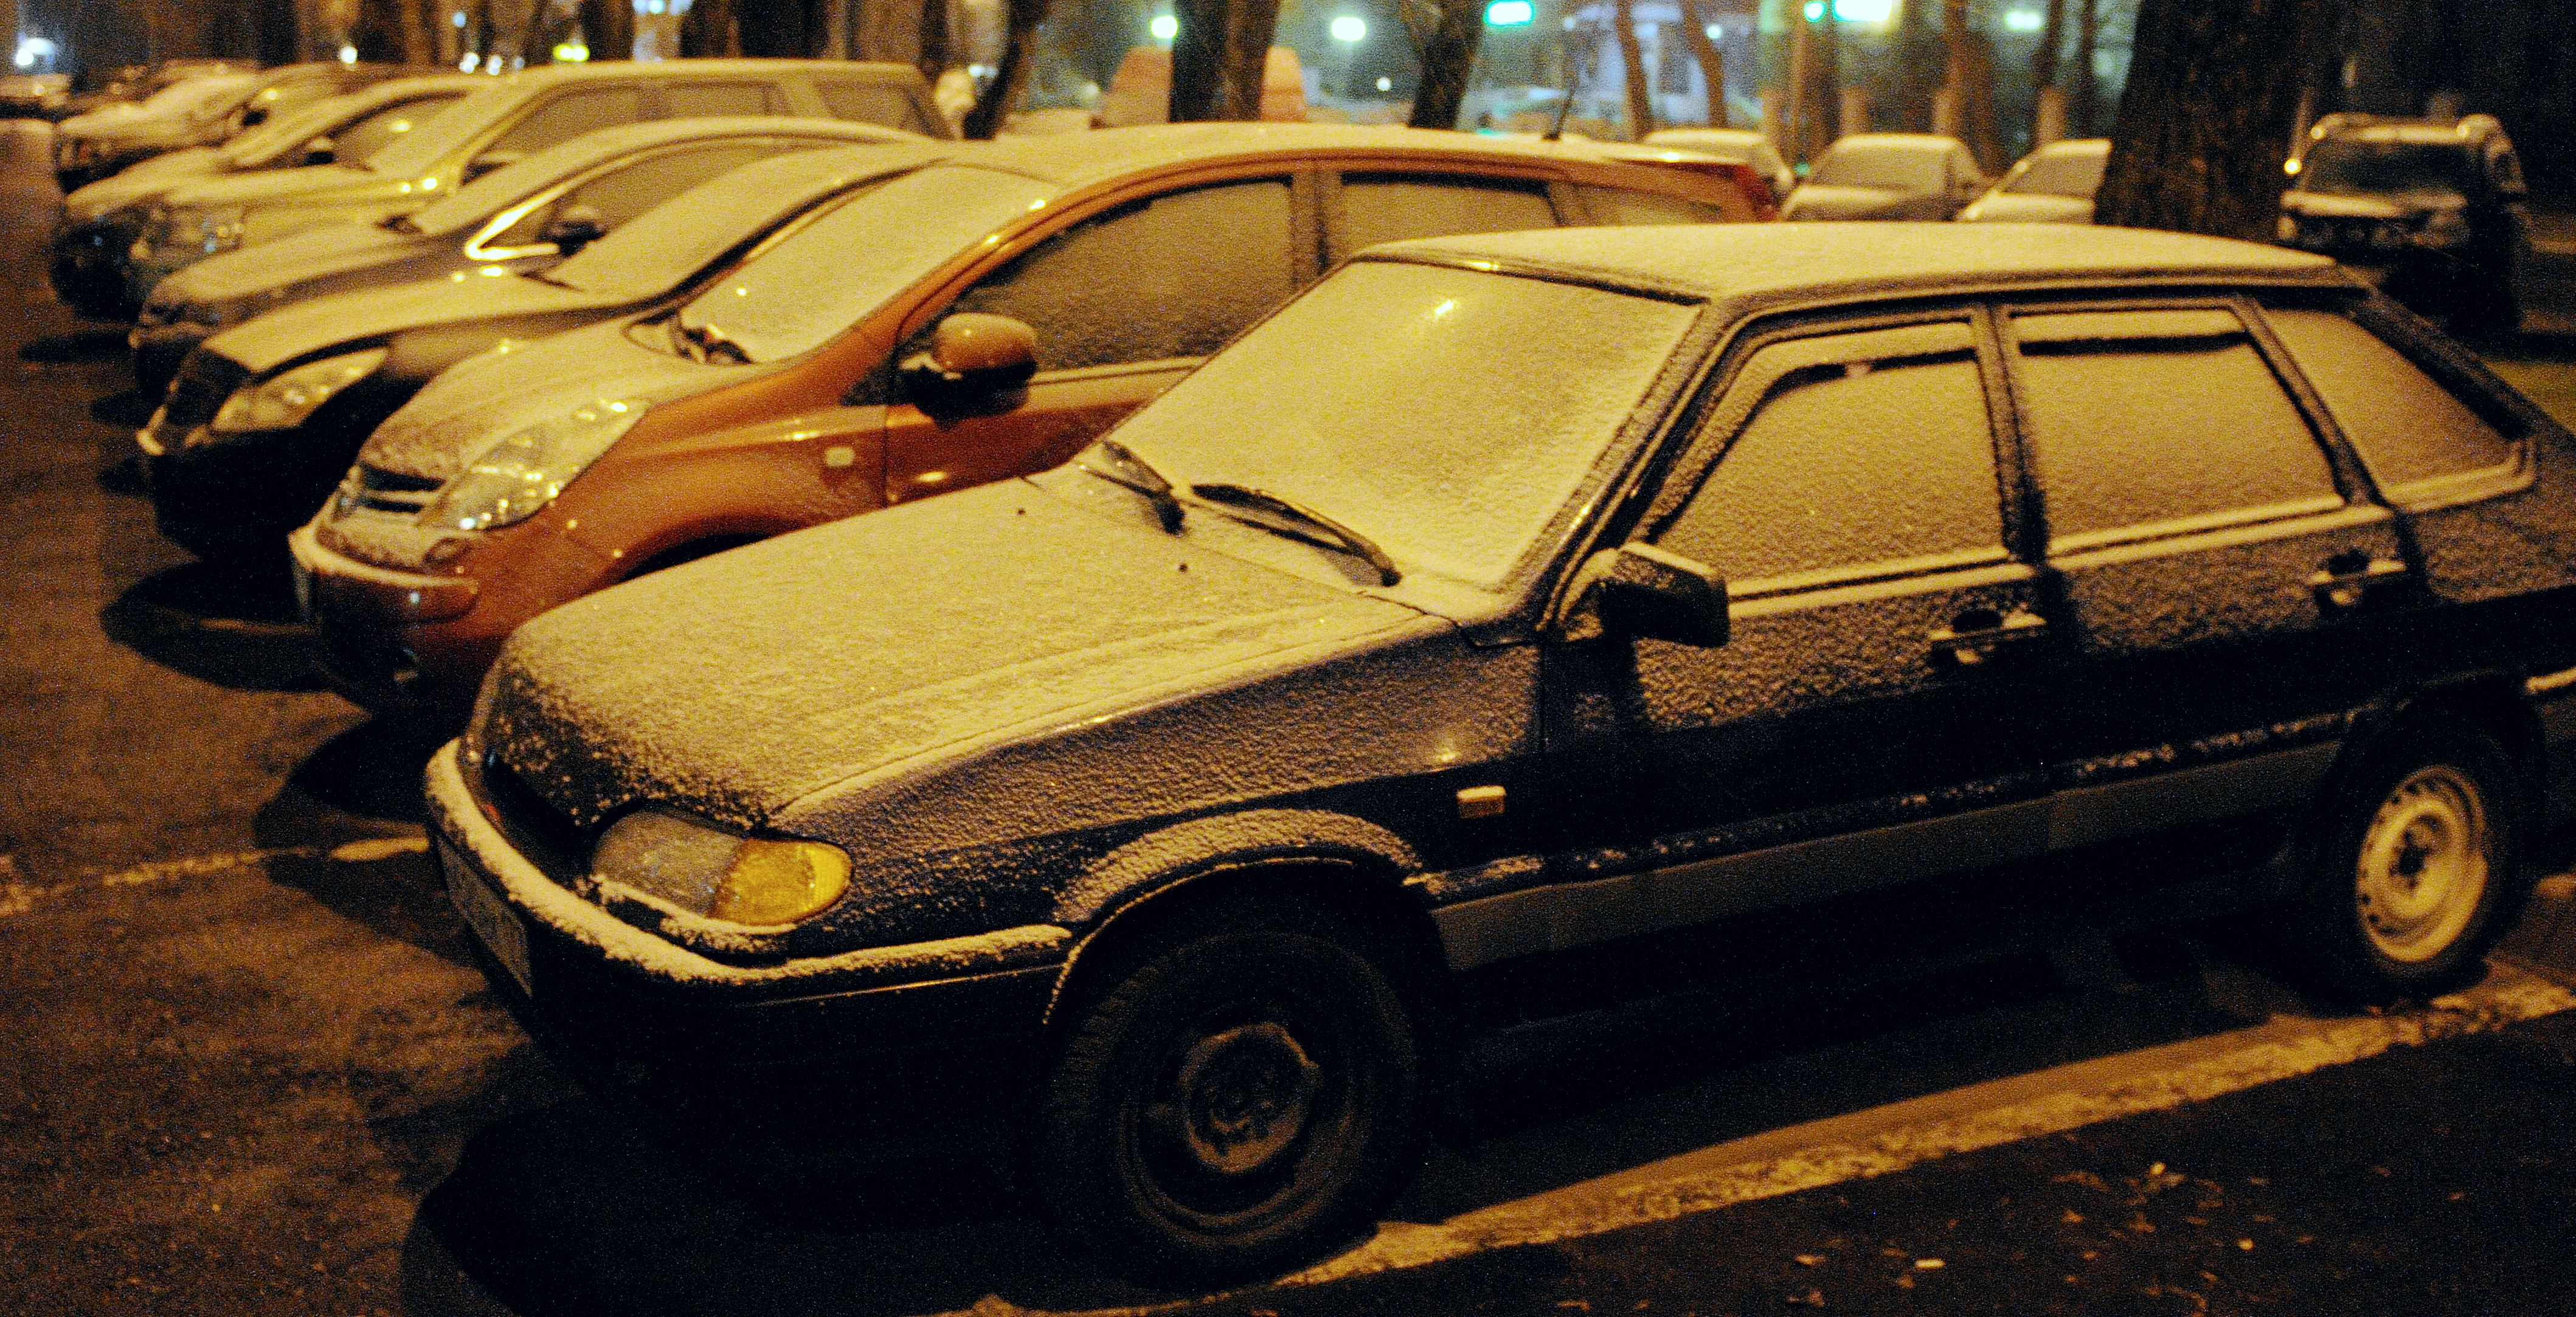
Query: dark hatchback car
{"points": [[266, 417], [2433, 210], [1535, 600]]}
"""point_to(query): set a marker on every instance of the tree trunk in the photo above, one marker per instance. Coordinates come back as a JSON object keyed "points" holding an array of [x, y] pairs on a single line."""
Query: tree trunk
{"points": [[1825, 77], [1448, 56], [1632, 64], [2206, 120], [2087, 109], [934, 57], [1711, 60], [1249, 26], [609, 28], [1970, 84], [1796, 138], [710, 29], [1020, 19]]}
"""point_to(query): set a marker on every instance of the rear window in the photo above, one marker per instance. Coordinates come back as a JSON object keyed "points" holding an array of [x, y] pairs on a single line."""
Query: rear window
{"points": [[1623, 206], [2143, 417], [690, 100], [569, 116], [1392, 207], [869, 102], [2406, 426]]}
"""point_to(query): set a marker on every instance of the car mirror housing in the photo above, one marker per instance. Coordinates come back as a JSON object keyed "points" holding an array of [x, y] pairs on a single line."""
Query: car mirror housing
{"points": [[573, 228], [1642, 592], [972, 353], [321, 151]]}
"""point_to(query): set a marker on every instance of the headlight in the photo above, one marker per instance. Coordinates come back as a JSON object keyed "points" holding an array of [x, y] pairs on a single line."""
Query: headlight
{"points": [[707, 870], [286, 399], [514, 478], [208, 229]]}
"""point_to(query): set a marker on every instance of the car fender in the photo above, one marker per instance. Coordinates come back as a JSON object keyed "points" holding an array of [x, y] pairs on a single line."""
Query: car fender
{"points": [[1167, 858]]}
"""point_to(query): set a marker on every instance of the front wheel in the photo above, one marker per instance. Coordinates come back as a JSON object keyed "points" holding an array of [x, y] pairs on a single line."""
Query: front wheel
{"points": [[2417, 879], [1245, 1093]]}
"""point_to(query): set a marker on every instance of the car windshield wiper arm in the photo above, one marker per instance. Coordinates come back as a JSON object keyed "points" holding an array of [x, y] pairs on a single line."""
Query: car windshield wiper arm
{"points": [[1136, 473], [705, 341], [1343, 537]]}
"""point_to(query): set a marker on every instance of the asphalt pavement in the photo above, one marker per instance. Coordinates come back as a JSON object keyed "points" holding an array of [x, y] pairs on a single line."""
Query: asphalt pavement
{"points": [[246, 1065]]}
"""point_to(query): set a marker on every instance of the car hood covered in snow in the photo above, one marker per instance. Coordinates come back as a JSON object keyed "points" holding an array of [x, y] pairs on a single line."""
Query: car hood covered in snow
{"points": [[295, 264], [815, 680], [353, 318], [479, 402]]}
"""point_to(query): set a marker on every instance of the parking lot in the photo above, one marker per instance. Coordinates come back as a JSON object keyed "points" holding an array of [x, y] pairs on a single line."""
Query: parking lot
{"points": [[252, 1067]]}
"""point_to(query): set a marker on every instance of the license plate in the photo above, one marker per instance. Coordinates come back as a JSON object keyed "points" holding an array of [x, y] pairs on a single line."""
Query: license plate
{"points": [[495, 925]]}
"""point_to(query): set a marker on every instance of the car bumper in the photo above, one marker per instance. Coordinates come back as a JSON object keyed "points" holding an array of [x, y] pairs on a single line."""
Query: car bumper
{"points": [[158, 350], [903, 1050], [243, 495], [87, 271], [376, 624]]}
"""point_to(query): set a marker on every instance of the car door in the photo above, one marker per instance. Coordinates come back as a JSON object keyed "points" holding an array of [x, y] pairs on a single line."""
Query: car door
{"points": [[1863, 725], [1124, 302], [2229, 588]]}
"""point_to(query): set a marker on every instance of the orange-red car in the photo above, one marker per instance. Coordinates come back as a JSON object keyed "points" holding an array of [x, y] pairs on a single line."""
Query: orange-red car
{"points": [[984, 312]]}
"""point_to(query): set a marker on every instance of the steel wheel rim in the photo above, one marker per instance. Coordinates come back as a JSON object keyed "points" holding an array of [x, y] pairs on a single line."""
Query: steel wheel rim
{"points": [[2423, 865]]}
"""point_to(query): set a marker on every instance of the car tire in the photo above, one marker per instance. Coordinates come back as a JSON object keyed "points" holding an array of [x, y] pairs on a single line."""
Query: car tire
{"points": [[1240, 1092], [2416, 876]]}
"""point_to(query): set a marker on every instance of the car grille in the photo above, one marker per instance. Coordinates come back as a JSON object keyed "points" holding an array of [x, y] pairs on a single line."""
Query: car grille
{"points": [[388, 491], [540, 831], [203, 382]]}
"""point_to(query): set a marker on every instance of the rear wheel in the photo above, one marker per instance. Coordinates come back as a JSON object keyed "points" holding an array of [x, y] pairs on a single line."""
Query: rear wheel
{"points": [[1237, 1095], [2417, 879]]}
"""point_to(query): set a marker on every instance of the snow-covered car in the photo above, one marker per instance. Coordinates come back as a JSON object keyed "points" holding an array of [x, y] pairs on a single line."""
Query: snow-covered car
{"points": [[197, 111], [521, 219], [1739, 144], [809, 384], [101, 221], [267, 417], [515, 116], [35, 95], [2052, 185], [1887, 176], [1551, 601], [2435, 210]]}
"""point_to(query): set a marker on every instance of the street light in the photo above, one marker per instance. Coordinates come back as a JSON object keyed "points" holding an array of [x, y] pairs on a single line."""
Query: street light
{"points": [[1510, 13], [1349, 28], [1164, 27]]}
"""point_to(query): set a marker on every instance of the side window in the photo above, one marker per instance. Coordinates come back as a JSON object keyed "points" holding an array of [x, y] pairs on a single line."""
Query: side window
{"points": [[1391, 207], [2139, 417], [1856, 454], [357, 141], [2406, 427], [632, 188], [689, 100], [870, 102], [569, 116], [1172, 276], [1623, 206]]}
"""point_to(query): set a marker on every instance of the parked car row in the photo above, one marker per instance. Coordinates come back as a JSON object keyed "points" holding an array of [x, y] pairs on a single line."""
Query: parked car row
{"points": [[1118, 652]]}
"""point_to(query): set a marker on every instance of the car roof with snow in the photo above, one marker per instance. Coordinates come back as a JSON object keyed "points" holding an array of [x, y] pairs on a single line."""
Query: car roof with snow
{"points": [[1750, 268], [1076, 159]]}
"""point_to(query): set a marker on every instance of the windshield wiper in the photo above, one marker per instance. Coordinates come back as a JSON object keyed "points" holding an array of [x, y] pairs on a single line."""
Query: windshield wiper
{"points": [[402, 224], [704, 342], [1136, 473], [1343, 537]]}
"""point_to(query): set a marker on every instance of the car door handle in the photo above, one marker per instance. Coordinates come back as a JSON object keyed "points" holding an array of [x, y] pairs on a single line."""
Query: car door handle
{"points": [[1973, 638], [2348, 580]]}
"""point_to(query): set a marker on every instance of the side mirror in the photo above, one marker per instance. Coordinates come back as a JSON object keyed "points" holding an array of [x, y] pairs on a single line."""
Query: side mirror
{"points": [[972, 354], [254, 116], [321, 151], [487, 162], [574, 227], [1641, 591]]}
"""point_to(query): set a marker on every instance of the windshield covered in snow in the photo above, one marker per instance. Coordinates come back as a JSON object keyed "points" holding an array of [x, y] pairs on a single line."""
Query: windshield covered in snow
{"points": [[2347, 166], [1447, 415], [843, 265], [661, 248], [1896, 167], [2076, 174], [201, 98], [421, 150]]}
